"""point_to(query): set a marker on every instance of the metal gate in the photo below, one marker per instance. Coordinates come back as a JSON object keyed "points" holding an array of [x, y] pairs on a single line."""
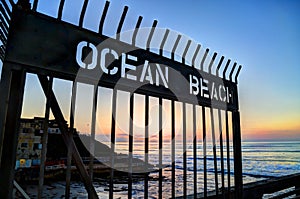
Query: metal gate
{"points": [[51, 48]]}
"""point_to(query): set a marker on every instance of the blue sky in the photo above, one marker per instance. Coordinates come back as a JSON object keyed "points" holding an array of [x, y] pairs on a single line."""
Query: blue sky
{"points": [[262, 36]]}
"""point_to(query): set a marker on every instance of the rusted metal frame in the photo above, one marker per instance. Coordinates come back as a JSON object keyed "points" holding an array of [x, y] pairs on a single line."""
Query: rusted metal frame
{"points": [[121, 22], [204, 152], [146, 145], [195, 55], [71, 132], [237, 151], [173, 146], [93, 132], [82, 14], [130, 144], [221, 152], [160, 147], [161, 48], [203, 59], [237, 73], [6, 7], [184, 150], [12, 91], [232, 70], [135, 32], [175, 47], [195, 150], [219, 66], [185, 51], [225, 69], [112, 143], [212, 62], [45, 138], [60, 9], [214, 149], [101, 24], [151, 34], [66, 137], [228, 153]]}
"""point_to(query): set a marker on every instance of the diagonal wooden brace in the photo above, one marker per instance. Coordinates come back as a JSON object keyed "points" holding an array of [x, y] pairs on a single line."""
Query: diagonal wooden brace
{"points": [[67, 139]]}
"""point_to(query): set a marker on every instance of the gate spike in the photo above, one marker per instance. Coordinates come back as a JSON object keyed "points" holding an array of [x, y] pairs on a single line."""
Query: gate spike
{"points": [[185, 51], [232, 70], [60, 9], [151, 34], [6, 7], [225, 69], [161, 48], [82, 14], [175, 47], [237, 73], [219, 65], [100, 30], [211, 62], [195, 55], [35, 4], [203, 59], [121, 22], [137, 26]]}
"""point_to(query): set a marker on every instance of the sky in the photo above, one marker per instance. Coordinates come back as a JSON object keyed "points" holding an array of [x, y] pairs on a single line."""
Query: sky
{"points": [[262, 36]]}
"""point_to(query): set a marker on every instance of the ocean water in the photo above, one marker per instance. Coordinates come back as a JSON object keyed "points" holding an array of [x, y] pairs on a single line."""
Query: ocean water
{"points": [[261, 160]]}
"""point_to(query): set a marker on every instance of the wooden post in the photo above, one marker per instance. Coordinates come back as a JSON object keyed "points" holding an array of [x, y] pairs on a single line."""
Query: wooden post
{"points": [[12, 84]]}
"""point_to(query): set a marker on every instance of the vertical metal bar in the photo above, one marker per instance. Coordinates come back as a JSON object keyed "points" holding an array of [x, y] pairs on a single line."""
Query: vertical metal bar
{"points": [[93, 132], [121, 22], [232, 70], [203, 59], [13, 90], [237, 73], [173, 147], [184, 149], [211, 62], [214, 149], [151, 35], [35, 4], [137, 26], [160, 149], [204, 152], [228, 152], [161, 48], [221, 151], [71, 132], [45, 138], [237, 151], [219, 66], [67, 139], [101, 24], [175, 47], [225, 69], [146, 145], [195, 55], [195, 149], [60, 9], [113, 139], [130, 147], [185, 51], [82, 14]]}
